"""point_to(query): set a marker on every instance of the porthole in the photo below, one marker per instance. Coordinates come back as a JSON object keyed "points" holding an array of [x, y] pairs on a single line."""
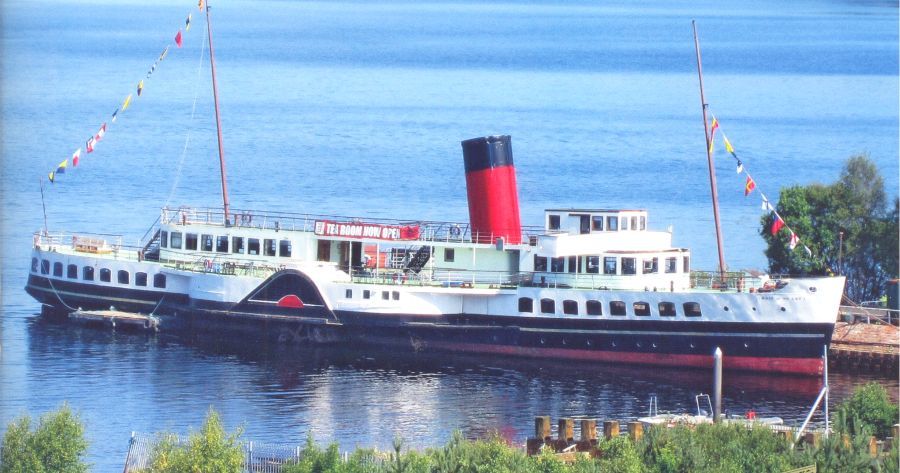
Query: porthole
{"points": [[726, 308], [783, 309], [812, 288], [754, 309]]}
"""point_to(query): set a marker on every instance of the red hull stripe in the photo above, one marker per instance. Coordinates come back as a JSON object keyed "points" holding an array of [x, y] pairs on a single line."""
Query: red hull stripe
{"points": [[797, 366]]}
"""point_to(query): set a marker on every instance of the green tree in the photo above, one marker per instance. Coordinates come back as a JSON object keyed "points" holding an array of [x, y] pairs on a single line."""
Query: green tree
{"points": [[846, 225], [56, 445], [871, 405], [211, 450]]}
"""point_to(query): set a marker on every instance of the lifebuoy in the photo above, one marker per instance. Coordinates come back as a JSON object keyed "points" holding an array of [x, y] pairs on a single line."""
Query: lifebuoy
{"points": [[246, 218], [455, 231], [208, 264]]}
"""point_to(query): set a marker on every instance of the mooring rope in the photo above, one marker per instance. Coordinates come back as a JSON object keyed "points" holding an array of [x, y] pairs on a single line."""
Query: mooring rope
{"points": [[50, 281]]}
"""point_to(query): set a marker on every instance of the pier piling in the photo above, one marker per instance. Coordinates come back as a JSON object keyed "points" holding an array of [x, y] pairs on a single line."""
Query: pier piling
{"points": [[635, 430], [610, 429]]}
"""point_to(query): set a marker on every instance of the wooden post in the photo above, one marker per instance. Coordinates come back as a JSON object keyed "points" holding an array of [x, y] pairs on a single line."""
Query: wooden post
{"points": [[812, 438], [542, 427], [785, 435], [895, 431], [873, 446], [635, 430], [610, 429], [566, 429], [588, 430]]}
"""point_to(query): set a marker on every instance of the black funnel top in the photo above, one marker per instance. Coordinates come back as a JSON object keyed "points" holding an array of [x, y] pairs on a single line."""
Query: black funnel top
{"points": [[487, 152]]}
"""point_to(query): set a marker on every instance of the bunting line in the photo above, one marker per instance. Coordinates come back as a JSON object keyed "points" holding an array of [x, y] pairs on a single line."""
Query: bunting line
{"points": [[91, 143], [778, 223]]}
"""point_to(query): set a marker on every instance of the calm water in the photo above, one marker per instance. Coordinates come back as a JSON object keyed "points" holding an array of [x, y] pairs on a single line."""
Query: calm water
{"points": [[358, 108]]}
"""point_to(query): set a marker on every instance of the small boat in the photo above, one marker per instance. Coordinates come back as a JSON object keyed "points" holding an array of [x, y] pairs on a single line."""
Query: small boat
{"points": [[703, 415]]}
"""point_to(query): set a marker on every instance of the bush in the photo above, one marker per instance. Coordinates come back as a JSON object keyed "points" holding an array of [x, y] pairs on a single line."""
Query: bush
{"points": [[56, 445], [211, 450], [872, 406]]}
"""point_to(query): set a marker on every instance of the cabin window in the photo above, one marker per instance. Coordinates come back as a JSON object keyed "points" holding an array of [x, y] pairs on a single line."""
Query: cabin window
{"points": [[584, 224], [45, 267], [597, 223], [253, 246], [623, 223], [34, 265], [593, 265], [122, 276], [206, 242], [671, 265], [557, 265], [395, 295], [553, 222], [616, 308], [237, 245], [641, 308], [385, 295], [269, 247], [540, 263], [570, 307], [105, 275], [284, 248], [634, 223], [573, 264], [594, 308], [140, 279], [526, 305], [651, 266], [666, 309], [612, 224], [175, 241], [643, 223], [548, 306], [159, 280], [222, 244], [367, 294], [686, 263], [190, 241], [164, 239], [449, 255], [629, 266], [72, 271], [57, 269], [691, 309], [348, 293], [609, 265], [87, 273]]}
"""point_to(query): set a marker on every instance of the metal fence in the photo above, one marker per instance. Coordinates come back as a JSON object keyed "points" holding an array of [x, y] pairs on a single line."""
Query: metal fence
{"points": [[259, 457]]}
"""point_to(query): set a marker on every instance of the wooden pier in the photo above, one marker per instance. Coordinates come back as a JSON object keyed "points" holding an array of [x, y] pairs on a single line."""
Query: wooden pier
{"points": [[116, 318], [872, 347]]}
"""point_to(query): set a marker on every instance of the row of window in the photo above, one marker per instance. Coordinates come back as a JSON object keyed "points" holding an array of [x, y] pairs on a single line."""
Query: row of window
{"points": [[191, 241], [617, 308], [596, 223], [367, 294], [611, 265], [87, 274]]}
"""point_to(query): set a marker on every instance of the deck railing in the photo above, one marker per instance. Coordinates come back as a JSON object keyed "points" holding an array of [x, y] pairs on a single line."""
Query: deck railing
{"points": [[429, 230]]}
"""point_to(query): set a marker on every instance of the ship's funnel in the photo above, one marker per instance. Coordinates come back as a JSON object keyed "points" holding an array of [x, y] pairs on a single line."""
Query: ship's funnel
{"points": [[491, 187]]}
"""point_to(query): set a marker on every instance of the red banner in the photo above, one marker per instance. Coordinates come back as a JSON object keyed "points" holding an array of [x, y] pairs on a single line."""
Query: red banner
{"points": [[371, 231]]}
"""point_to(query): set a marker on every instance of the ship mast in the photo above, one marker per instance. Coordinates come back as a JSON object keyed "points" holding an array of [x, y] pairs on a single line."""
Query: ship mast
{"points": [[212, 67], [709, 159]]}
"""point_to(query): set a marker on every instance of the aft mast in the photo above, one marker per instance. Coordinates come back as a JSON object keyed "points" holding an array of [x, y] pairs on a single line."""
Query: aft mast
{"points": [[709, 159], [212, 67]]}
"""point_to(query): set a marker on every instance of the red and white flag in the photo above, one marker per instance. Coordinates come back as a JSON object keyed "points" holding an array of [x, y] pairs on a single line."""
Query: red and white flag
{"points": [[178, 38], [777, 225], [794, 241], [100, 133], [89, 144], [75, 157]]}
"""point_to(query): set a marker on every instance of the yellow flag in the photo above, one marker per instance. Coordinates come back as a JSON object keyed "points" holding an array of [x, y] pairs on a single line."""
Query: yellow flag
{"points": [[126, 103], [728, 146], [200, 5], [51, 175]]}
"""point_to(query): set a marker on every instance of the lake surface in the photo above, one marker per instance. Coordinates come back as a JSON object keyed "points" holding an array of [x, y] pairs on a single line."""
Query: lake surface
{"points": [[358, 108]]}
